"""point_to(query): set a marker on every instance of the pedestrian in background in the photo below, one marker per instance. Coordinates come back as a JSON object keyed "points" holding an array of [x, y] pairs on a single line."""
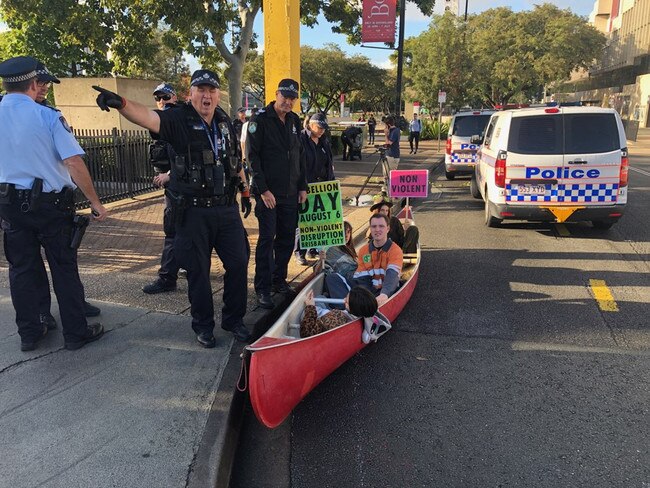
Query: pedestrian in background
{"points": [[372, 124], [415, 127], [204, 179], [277, 161], [392, 142], [161, 155], [40, 165], [318, 165]]}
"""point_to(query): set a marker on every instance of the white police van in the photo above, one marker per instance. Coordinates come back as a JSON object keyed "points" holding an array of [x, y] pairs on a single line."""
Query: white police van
{"points": [[460, 152], [554, 164]]}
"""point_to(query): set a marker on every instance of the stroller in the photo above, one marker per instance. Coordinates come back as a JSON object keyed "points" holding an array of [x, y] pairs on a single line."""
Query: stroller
{"points": [[357, 144]]}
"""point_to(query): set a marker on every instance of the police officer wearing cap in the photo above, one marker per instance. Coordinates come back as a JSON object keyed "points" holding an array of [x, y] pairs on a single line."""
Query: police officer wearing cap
{"points": [[239, 121], [161, 154], [277, 161], [204, 179], [44, 80], [40, 163]]}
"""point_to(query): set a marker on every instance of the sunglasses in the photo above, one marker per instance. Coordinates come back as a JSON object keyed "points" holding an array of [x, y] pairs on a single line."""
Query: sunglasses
{"points": [[158, 98]]}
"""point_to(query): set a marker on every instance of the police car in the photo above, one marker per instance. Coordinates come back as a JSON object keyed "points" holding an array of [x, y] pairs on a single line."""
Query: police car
{"points": [[460, 153], [554, 164]]}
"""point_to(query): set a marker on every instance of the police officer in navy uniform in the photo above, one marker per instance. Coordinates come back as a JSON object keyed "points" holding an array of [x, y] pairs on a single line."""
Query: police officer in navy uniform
{"points": [[161, 154], [40, 163], [205, 176], [277, 161], [44, 80]]}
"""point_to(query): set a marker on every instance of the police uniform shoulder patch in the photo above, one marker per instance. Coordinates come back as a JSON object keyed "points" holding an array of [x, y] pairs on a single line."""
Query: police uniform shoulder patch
{"points": [[252, 127], [64, 123]]}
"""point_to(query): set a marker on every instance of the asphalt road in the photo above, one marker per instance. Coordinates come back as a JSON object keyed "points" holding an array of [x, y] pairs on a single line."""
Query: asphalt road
{"points": [[503, 370]]}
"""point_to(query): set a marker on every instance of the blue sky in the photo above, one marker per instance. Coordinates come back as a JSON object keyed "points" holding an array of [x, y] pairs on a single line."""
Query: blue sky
{"points": [[416, 23]]}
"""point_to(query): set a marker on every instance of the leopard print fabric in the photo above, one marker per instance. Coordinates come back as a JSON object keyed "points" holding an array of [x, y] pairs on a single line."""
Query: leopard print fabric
{"points": [[311, 324]]}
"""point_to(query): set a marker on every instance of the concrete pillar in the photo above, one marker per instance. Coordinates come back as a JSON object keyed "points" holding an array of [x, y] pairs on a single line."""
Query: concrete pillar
{"points": [[281, 44]]}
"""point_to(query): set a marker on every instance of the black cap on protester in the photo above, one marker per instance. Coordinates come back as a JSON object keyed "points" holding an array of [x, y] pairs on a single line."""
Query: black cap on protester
{"points": [[164, 88], [205, 77], [380, 204], [320, 119], [20, 68], [288, 88], [44, 75]]}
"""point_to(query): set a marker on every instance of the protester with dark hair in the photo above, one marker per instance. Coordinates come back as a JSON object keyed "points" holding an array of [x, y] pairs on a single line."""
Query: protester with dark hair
{"points": [[359, 302], [372, 124]]}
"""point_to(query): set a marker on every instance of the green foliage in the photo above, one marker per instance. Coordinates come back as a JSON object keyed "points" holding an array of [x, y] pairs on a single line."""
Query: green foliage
{"points": [[498, 55], [431, 129], [253, 78]]}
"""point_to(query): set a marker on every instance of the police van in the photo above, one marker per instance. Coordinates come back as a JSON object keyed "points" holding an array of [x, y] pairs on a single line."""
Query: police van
{"points": [[554, 164], [460, 152]]}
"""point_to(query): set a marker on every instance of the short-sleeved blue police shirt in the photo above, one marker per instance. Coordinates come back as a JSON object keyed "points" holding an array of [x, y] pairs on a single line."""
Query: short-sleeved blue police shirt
{"points": [[34, 141]]}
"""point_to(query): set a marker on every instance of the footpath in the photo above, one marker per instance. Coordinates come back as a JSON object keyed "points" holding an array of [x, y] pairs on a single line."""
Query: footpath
{"points": [[145, 406]]}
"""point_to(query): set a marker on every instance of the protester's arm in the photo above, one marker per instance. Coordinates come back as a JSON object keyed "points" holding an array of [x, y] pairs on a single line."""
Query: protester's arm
{"points": [[80, 175]]}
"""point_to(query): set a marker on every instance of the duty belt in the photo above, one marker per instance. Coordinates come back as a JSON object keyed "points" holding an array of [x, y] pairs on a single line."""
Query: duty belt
{"points": [[207, 202]]}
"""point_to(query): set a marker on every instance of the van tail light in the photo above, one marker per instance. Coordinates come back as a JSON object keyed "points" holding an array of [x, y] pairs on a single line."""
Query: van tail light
{"points": [[448, 146], [500, 169], [625, 167]]}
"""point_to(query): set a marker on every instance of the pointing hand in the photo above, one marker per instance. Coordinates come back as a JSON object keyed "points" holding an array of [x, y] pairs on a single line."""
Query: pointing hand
{"points": [[107, 99]]}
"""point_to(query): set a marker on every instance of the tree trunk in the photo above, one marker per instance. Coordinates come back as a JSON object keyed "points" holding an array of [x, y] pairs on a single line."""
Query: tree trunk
{"points": [[234, 74]]}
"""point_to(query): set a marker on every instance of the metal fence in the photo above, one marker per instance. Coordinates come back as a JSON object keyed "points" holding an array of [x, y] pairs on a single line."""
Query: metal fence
{"points": [[118, 162]]}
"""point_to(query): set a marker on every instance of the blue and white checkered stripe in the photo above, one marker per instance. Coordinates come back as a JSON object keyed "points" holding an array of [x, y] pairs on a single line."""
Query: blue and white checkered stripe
{"points": [[589, 192], [455, 158]]}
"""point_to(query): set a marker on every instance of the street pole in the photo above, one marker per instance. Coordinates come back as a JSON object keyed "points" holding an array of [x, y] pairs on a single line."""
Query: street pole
{"points": [[466, 1], [400, 59], [439, 124]]}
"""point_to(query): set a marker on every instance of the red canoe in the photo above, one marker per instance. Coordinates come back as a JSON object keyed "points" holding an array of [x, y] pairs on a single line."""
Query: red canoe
{"points": [[285, 368]]}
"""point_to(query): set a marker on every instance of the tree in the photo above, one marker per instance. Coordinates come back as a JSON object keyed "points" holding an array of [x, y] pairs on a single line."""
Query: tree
{"points": [[69, 36]]}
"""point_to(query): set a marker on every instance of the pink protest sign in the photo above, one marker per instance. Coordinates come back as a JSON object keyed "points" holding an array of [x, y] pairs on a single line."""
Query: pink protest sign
{"points": [[409, 183]]}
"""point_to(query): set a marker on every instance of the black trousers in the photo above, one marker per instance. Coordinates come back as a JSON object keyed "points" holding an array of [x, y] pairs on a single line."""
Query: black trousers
{"points": [[414, 136], [24, 234], [347, 147], [371, 134], [168, 271], [277, 227], [204, 229]]}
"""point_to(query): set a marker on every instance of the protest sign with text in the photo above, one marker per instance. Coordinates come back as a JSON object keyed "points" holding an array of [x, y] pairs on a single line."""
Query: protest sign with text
{"points": [[320, 218]]}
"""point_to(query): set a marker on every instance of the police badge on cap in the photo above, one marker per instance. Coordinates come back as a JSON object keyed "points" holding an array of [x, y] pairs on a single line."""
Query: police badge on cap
{"points": [[205, 77], [288, 88]]}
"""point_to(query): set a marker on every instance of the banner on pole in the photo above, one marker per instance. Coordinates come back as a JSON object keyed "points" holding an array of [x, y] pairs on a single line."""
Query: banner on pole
{"points": [[378, 21], [320, 218], [409, 183]]}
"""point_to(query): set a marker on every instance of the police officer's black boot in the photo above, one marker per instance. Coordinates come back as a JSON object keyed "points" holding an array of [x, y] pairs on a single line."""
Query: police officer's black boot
{"points": [[159, 286]]}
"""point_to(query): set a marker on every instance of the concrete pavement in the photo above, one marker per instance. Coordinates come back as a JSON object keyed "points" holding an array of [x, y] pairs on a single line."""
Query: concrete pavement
{"points": [[145, 406]]}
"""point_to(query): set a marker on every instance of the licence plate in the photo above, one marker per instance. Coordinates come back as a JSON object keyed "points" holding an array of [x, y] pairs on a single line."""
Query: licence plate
{"points": [[531, 189]]}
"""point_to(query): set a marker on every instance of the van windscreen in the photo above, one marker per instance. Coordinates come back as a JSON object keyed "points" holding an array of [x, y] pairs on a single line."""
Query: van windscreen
{"points": [[470, 125], [591, 133], [536, 135]]}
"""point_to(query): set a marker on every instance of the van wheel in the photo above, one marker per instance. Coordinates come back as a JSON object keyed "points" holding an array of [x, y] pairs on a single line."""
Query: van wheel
{"points": [[473, 187], [450, 176], [602, 224], [490, 220]]}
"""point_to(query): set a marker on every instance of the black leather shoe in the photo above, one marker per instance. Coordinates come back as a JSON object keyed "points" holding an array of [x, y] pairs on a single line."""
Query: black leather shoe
{"points": [[91, 310], [158, 286], [206, 339], [282, 287], [47, 320], [240, 332], [93, 332], [264, 301], [26, 346]]}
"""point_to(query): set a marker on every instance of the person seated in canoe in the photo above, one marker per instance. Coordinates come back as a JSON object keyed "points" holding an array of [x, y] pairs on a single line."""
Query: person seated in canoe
{"points": [[342, 259], [406, 236], [379, 265], [359, 302]]}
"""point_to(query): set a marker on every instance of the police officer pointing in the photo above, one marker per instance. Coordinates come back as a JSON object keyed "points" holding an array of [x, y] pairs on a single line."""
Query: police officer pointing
{"points": [[39, 160], [205, 175]]}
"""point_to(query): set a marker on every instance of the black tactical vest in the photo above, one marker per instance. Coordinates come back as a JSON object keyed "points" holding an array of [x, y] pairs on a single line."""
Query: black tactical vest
{"points": [[195, 171]]}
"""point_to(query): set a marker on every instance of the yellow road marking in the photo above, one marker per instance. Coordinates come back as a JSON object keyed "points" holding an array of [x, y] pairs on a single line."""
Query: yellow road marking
{"points": [[603, 296], [562, 230]]}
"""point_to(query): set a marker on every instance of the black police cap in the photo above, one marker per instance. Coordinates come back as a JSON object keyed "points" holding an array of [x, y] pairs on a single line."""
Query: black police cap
{"points": [[289, 88], [20, 68], [320, 119], [44, 75], [205, 77]]}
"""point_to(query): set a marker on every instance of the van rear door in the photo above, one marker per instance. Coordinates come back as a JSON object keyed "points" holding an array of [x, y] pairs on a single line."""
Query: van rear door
{"points": [[535, 159], [592, 158], [463, 152]]}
